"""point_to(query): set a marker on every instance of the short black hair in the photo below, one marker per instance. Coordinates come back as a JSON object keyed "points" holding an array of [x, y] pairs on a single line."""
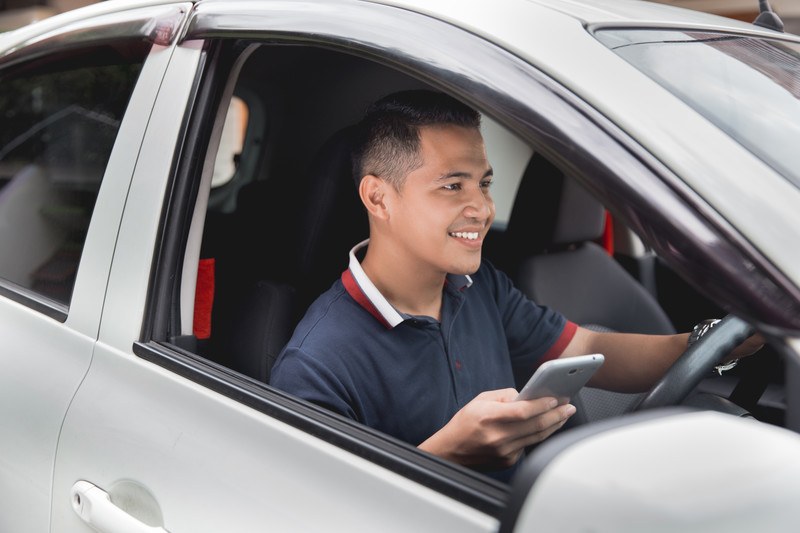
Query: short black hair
{"points": [[387, 138]]}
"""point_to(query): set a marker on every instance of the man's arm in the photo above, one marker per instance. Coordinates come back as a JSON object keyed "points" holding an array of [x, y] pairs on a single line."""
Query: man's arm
{"points": [[634, 363]]}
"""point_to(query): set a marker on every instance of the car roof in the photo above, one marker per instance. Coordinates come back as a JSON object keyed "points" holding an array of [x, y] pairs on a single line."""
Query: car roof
{"points": [[641, 12], [604, 12]]}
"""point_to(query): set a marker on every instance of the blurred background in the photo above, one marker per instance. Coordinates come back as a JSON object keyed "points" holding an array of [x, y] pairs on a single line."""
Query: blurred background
{"points": [[16, 13]]}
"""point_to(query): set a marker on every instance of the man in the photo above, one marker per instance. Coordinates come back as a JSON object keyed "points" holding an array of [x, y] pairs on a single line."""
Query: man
{"points": [[423, 340]]}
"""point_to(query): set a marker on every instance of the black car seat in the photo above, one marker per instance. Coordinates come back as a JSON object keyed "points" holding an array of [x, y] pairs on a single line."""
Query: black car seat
{"points": [[254, 294], [303, 251], [550, 245], [333, 220]]}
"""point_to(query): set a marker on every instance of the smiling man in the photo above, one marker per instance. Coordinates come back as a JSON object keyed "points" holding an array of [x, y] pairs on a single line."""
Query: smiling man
{"points": [[422, 339]]}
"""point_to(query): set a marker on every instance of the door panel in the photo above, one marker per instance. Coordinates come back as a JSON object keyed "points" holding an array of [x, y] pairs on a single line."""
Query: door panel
{"points": [[51, 301], [213, 464], [41, 365]]}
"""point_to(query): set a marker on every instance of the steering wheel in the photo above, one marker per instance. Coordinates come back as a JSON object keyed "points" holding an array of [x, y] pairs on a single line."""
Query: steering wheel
{"points": [[696, 363]]}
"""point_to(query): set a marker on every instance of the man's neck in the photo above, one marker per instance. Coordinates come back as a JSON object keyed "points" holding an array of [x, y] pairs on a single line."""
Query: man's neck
{"points": [[408, 289]]}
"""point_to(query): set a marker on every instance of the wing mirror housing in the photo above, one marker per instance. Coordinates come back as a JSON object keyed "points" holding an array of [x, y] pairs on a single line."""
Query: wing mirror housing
{"points": [[671, 469]]}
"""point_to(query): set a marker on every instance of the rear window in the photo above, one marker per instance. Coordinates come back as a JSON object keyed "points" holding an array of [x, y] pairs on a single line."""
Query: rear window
{"points": [[60, 114], [747, 86]]}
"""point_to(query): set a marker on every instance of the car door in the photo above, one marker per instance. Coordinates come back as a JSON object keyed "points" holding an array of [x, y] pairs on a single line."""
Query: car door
{"points": [[66, 158]]}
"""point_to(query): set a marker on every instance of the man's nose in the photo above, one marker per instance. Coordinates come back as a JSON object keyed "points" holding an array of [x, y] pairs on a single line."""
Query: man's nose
{"points": [[479, 206]]}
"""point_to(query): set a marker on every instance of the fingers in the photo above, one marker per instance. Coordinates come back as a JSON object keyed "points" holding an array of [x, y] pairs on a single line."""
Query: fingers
{"points": [[515, 411], [750, 346], [536, 419], [543, 425], [523, 433]]}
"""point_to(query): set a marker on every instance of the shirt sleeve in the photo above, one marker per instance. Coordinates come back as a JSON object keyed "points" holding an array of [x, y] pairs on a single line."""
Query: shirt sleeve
{"points": [[535, 333], [299, 373]]}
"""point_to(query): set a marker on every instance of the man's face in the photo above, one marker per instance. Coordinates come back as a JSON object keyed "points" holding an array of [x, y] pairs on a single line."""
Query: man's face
{"points": [[443, 210]]}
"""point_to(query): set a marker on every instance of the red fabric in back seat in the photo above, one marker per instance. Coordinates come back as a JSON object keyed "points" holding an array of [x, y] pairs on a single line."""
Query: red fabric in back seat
{"points": [[204, 298]]}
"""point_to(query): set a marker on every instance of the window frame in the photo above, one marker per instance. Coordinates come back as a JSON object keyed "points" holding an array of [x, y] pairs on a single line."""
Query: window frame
{"points": [[562, 126]]}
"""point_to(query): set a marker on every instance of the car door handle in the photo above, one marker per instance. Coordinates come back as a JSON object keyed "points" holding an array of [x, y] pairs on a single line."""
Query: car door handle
{"points": [[94, 506]]}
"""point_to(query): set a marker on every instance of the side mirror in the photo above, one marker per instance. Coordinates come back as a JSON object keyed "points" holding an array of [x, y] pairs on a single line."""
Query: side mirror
{"points": [[668, 469]]}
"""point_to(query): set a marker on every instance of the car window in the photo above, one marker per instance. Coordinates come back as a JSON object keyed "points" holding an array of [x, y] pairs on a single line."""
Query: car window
{"points": [[60, 117], [747, 86], [231, 142]]}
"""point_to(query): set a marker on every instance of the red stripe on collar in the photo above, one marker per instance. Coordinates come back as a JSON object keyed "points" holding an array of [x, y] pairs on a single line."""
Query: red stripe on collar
{"points": [[355, 292]]}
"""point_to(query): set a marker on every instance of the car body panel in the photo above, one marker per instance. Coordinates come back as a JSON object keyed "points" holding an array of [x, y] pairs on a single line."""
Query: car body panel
{"points": [[699, 477], [181, 443], [213, 464], [34, 342]]}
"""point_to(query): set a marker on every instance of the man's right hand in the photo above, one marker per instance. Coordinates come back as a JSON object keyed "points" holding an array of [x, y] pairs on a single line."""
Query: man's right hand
{"points": [[492, 430]]}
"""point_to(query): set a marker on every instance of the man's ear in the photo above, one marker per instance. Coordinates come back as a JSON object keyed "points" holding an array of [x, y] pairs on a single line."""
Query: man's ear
{"points": [[372, 191]]}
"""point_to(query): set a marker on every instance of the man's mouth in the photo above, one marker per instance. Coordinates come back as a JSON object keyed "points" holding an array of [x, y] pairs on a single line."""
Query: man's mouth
{"points": [[469, 235]]}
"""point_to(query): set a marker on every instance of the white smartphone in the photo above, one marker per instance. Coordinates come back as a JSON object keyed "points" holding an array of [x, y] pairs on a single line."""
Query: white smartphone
{"points": [[561, 378]]}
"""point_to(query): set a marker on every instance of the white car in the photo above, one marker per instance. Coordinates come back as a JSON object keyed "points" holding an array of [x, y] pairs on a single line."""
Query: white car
{"points": [[174, 192]]}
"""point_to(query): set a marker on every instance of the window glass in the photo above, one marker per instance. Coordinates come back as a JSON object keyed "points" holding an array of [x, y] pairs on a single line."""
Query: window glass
{"points": [[749, 87], [60, 117], [230, 145]]}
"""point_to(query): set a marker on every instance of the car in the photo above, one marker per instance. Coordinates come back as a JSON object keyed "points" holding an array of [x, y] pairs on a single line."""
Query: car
{"points": [[175, 190]]}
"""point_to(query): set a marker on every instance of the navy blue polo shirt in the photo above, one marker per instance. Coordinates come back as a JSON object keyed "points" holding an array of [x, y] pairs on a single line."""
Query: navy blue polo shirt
{"points": [[355, 354]]}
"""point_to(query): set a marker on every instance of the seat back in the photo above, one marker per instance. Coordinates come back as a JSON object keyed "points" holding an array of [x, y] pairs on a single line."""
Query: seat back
{"points": [[333, 219], [265, 321], [550, 235], [551, 231], [254, 304], [265, 287]]}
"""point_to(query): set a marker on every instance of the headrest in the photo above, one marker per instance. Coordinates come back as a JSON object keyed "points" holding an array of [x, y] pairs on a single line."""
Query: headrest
{"points": [[334, 219], [551, 211]]}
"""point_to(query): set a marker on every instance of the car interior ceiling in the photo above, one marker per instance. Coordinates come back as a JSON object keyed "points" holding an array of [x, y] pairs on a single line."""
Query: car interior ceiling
{"points": [[296, 218]]}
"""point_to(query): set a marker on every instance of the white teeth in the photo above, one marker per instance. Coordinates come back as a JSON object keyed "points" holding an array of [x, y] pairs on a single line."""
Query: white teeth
{"points": [[469, 235]]}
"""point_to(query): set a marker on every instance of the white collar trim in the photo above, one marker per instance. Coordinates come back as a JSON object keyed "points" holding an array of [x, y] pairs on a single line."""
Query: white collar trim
{"points": [[387, 310]]}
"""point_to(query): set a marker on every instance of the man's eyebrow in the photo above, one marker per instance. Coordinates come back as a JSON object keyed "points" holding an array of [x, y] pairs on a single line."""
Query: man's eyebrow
{"points": [[465, 175]]}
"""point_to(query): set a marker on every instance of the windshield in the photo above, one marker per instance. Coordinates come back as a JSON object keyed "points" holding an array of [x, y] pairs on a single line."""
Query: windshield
{"points": [[749, 87]]}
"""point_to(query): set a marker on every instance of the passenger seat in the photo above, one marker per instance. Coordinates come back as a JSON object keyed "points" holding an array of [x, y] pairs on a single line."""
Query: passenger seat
{"points": [[551, 238]]}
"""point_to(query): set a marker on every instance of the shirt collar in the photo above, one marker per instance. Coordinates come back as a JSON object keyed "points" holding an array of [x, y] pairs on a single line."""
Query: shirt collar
{"points": [[368, 296]]}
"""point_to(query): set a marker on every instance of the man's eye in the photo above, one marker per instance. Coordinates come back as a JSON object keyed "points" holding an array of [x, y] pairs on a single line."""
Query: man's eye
{"points": [[452, 187], [486, 184]]}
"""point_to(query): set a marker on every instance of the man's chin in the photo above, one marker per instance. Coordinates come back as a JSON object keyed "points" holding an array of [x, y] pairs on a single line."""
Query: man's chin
{"points": [[467, 268]]}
